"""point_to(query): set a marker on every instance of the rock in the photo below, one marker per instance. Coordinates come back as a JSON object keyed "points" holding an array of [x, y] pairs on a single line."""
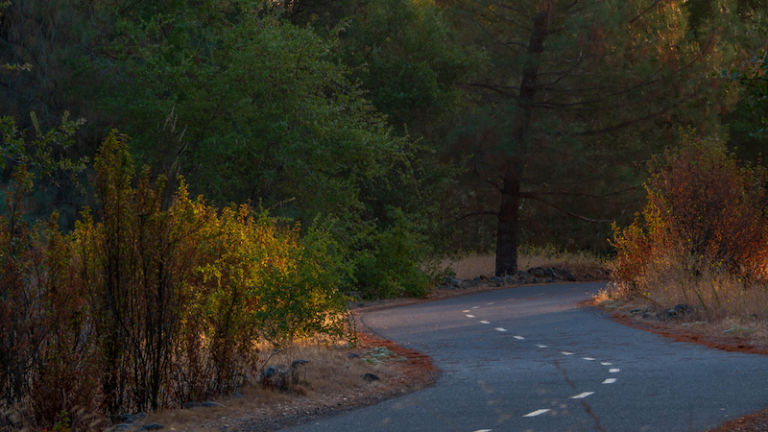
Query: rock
{"points": [[683, 309], [237, 395], [127, 418], [671, 313], [635, 311], [212, 404], [353, 355], [645, 315], [455, 282], [739, 330], [295, 366], [497, 280], [275, 378], [564, 274], [542, 272], [152, 426], [190, 405], [371, 377], [120, 427]]}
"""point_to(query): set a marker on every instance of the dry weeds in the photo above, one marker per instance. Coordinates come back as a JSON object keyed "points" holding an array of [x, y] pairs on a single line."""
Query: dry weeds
{"points": [[475, 265]]}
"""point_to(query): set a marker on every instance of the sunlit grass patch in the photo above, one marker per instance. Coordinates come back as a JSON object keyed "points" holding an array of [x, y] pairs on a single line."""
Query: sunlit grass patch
{"points": [[475, 265]]}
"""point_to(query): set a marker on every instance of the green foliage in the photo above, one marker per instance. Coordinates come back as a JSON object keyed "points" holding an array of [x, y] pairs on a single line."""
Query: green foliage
{"points": [[409, 59], [390, 265], [46, 157]]}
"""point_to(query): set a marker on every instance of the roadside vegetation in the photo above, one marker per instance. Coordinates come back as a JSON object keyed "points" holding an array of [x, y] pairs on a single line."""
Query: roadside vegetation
{"points": [[697, 252]]}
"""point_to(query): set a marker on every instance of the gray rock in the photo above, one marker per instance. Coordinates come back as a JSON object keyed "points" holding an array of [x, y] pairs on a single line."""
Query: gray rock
{"points": [[152, 426], [120, 427], [542, 272], [190, 405], [564, 274], [635, 311], [497, 280], [371, 377], [212, 404], [671, 313], [237, 395], [683, 309], [127, 418], [297, 363], [353, 355], [275, 378], [455, 282], [269, 372]]}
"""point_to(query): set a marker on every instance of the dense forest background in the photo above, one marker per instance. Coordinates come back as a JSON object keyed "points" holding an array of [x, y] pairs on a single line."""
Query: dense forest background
{"points": [[253, 162], [466, 122]]}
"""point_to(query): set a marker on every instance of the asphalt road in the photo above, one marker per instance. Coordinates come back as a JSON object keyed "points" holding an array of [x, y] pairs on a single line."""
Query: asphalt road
{"points": [[529, 359]]}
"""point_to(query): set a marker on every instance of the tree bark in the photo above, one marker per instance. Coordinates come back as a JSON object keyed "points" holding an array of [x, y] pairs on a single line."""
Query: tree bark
{"points": [[508, 229], [508, 226]]}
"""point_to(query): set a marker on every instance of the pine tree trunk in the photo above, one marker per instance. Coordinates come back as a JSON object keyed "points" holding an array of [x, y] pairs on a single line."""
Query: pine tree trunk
{"points": [[508, 226], [509, 213]]}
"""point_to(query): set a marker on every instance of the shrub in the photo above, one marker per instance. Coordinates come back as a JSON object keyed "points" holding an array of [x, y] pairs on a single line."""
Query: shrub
{"points": [[390, 264], [149, 302], [705, 214]]}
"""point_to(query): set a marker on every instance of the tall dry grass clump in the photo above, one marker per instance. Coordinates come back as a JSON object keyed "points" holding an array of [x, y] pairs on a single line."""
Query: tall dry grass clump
{"points": [[701, 238]]}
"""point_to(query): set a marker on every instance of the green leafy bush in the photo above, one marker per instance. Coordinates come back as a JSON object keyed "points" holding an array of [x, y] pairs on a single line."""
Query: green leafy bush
{"points": [[390, 264]]}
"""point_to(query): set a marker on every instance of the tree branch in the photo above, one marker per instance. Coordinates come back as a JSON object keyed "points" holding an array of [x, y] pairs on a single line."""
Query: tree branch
{"points": [[535, 197]]}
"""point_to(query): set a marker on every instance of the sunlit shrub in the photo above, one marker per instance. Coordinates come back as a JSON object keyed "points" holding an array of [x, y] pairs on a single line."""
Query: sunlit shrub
{"points": [[705, 214], [152, 300]]}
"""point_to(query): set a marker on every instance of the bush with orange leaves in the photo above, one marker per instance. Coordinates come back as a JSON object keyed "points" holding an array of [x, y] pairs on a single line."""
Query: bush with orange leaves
{"points": [[705, 215]]}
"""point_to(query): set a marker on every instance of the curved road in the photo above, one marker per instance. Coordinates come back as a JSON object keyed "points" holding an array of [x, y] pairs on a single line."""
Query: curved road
{"points": [[528, 359]]}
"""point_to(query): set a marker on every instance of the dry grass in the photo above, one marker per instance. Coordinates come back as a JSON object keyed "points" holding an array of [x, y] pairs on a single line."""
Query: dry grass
{"points": [[727, 313], [332, 380], [474, 265], [715, 295]]}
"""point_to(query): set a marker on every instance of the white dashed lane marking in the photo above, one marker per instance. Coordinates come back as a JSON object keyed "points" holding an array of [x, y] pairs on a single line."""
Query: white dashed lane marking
{"points": [[582, 395], [565, 353], [483, 430], [537, 413]]}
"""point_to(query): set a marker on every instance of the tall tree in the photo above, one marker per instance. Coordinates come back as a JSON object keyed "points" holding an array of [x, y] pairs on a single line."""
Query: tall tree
{"points": [[575, 97]]}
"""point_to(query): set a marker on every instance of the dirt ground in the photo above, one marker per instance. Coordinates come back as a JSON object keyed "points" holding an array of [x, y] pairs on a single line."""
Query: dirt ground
{"points": [[336, 377]]}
